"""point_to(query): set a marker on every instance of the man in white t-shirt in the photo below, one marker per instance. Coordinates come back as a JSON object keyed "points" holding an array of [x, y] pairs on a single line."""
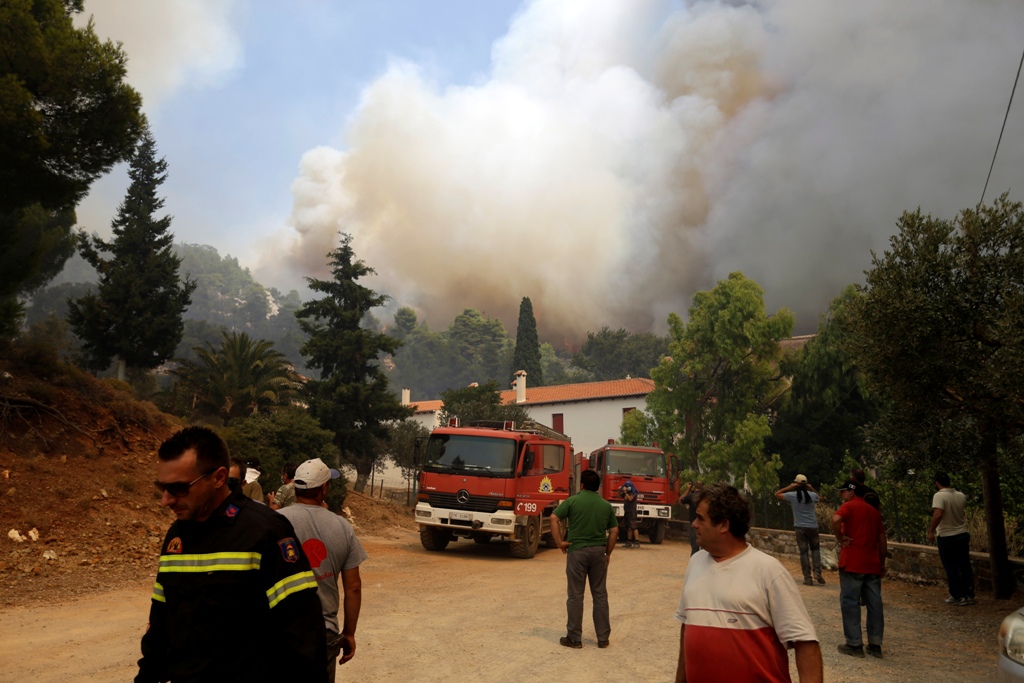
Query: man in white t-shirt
{"points": [[949, 524], [740, 609], [333, 550]]}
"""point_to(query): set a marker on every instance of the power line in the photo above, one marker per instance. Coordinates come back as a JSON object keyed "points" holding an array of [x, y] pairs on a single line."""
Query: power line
{"points": [[1006, 116]]}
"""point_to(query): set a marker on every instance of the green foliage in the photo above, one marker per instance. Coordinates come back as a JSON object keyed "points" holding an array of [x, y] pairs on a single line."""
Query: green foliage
{"points": [[405, 323], [824, 416], [136, 312], [68, 117], [239, 378], [478, 345], [400, 444], [714, 391], [527, 350], [638, 428], [351, 397], [482, 402], [281, 436], [616, 354], [939, 332]]}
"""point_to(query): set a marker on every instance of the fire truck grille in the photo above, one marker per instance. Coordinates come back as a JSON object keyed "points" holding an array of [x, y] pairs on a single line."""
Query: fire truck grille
{"points": [[474, 504]]}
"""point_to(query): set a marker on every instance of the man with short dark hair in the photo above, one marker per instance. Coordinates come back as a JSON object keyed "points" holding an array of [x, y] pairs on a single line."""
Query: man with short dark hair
{"points": [[740, 609], [333, 550], [949, 524], [869, 495], [285, 495], [233, 583], [593, 530], [863, 548], [629, 502]]}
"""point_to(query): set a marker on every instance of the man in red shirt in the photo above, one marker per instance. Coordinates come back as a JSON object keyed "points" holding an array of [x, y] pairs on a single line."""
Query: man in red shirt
{"points": [[861, 536]]}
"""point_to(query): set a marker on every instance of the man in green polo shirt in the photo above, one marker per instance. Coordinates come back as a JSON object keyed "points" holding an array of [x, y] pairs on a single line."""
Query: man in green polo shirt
{"points": [[593, 530]]}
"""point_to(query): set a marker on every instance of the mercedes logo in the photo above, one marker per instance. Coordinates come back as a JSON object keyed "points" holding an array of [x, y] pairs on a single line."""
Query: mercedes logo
{"points": [[462, 496]]}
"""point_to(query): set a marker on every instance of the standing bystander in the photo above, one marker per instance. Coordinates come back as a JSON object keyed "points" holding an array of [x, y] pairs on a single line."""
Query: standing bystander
{"points": [[629, 496], [954, 540], [804, 501], [593, 530], [689, 499], [285, 495], [333, 550], [740, 609], [863, 548]]}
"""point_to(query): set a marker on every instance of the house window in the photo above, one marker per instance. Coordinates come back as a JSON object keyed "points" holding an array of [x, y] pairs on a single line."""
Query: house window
{"points": [[557, 422]]}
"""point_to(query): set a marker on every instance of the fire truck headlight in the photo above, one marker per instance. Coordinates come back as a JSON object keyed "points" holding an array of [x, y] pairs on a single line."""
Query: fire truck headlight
{"points": [[663, 512], [423, 513]]}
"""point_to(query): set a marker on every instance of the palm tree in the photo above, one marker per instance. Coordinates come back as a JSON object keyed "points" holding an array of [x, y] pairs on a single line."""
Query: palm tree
{"points": [[239, 378]]}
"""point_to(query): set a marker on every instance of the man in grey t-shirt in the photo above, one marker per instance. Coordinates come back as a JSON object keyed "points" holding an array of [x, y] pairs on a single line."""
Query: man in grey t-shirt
{"points": [[333, 550], [804, 499], [954, 540]]}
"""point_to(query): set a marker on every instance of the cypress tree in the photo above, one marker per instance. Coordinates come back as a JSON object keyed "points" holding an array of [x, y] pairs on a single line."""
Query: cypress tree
{"points": [[527, 353], [135, 314]]}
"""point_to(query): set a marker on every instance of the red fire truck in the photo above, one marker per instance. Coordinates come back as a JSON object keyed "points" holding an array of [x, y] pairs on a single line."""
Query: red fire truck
{"points": [[493, 479], [655, 475]]}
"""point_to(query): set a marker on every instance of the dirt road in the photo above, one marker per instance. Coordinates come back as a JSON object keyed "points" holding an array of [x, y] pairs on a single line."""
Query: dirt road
{"points": [[473, 613]]}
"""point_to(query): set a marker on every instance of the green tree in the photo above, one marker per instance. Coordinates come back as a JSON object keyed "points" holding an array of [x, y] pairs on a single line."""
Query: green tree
{"points": [[939, 332], [241, 377], [615, 354], [714, 391], [477, 344], [351, 397], [68, 116], [527, 350], [424, 364], [400, 444], [405, 323], [638, 428], [823, 417], [481, 402], [136, 313], [281, 436]]}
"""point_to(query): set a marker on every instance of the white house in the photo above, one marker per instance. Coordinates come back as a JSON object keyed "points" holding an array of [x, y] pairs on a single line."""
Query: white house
{"points": [[589, 413]]}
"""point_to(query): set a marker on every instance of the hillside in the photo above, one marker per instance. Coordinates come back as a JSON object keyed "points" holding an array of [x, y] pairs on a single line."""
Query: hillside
{"points": [[77, 462]]}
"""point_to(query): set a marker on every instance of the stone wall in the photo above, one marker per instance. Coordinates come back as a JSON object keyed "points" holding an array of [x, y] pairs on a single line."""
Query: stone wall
{"points": [[907, 561]]}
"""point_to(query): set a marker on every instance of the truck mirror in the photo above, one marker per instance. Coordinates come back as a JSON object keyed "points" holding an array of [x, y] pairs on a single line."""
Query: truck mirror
{"points": [[528, 460], [417, 442]]}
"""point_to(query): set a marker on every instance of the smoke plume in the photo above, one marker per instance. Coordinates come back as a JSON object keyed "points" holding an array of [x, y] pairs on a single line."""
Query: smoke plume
{"points": [[621, 156]]}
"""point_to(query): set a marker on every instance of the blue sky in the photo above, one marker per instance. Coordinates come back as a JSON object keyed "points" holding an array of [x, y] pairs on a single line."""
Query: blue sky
{"points": [[607, 159]]}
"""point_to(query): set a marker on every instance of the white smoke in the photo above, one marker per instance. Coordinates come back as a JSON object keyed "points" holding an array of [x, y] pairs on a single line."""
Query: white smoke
{"points": [[623, 155], [171, 43]]}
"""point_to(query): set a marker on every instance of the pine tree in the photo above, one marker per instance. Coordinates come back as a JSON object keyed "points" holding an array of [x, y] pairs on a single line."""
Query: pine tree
{"points": [[351, 398], [135, 315], [527, 353]]}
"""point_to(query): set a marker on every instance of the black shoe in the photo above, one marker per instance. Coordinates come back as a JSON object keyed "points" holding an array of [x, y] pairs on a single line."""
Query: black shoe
{"points": [[602, 643], [808, 582], [875, 651], [576, 645], [851, 650], [821, 580]]}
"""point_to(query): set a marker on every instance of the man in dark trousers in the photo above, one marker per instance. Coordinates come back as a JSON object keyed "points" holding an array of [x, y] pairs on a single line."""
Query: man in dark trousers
{"points": [[861, 536], [234, 598], [593, 530], [954, 540], [689, 499], [629, 496]]}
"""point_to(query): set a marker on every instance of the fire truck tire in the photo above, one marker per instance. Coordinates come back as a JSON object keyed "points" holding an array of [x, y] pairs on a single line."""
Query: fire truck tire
{"points": [[434, 538], [657, 534], [524, 545]]}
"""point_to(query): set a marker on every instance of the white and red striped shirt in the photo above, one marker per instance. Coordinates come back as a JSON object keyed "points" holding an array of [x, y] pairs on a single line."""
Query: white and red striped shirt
{"points": [[740, 614]]}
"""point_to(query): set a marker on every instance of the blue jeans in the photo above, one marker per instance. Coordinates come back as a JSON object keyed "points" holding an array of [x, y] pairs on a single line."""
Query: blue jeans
{"points": [[853, 587], [587, 564], [955, 553]]}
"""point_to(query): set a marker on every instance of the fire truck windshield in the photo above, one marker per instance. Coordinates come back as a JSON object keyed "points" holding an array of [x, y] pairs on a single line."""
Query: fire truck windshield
{"points": [[479, 455], [639, 463]]}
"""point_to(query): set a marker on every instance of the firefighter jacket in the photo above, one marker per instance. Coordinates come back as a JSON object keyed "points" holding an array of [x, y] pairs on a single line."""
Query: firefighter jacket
{"points": [[234, 600]]}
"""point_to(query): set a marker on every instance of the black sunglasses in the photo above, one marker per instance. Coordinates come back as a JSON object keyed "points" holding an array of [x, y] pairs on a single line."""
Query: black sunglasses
{"points": [[179, 489]]}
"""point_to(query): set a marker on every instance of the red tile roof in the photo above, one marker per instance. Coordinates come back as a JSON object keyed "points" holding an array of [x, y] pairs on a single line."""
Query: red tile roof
{"points": [[564, 393]]}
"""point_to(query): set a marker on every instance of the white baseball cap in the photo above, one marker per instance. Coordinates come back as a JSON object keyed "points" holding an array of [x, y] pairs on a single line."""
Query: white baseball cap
{"points": [[313, 473], [800, 479]]}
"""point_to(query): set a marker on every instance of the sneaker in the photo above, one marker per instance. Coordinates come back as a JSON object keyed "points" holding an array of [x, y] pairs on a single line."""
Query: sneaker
{"points": [[963, 602], [808, 582], [952, 601], [575, 644], [851, 650], [875, 651], [602, 643], [821, 580]]}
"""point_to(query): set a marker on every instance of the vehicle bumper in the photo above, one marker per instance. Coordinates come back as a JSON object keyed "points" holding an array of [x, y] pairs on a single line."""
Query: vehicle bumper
{"points": [[1009, 671], [646, 511], [501, 522]]}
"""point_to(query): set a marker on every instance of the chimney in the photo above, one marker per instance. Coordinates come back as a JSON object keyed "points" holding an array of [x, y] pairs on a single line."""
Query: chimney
{"points": [[405, 396], [520, 384]]}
